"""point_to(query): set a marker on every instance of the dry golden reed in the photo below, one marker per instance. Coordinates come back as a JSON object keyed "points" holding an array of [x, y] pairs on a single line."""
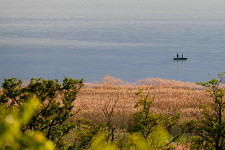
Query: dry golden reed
{"points": [[170, 97]]}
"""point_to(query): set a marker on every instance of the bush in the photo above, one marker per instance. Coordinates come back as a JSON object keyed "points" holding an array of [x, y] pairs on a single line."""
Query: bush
{"points": [[148, 123], [56, 105], [210, 130], [83, 134]]}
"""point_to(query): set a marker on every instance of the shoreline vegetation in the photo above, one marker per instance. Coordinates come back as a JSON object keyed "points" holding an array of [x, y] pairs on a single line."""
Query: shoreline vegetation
{"points": [[152, 113], [170, 97]]}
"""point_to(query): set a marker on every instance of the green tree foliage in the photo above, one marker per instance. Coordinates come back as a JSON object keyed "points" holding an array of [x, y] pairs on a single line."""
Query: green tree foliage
{"points": [[11, 90], [83, 134], [99, 143], [210, 130], [11, 121], [147, 122], [134, 141], [56, 107], [144, 119], [158, 137]]}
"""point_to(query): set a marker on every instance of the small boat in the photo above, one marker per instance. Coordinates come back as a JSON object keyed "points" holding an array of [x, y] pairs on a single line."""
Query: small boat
{"points": [[180, 58]]}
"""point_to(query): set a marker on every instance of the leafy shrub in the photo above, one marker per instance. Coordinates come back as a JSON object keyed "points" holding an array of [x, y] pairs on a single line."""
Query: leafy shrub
{"points": [[56, 105], [144, 119], [83, 134], [209, 131], [147, 123]]}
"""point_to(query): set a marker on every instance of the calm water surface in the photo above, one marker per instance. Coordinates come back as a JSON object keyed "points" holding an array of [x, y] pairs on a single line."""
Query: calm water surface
{"points": [[127, 39]]}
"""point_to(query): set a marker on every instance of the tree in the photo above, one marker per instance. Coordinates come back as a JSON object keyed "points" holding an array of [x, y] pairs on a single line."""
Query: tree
{"points": [[144, 119], [84, 134], [108, 113], [51, 117], [210, 130], [149, 123]]}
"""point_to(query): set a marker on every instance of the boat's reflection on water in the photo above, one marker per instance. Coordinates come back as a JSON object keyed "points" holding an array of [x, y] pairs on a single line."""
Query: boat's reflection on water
{"points": [[180, 63]]}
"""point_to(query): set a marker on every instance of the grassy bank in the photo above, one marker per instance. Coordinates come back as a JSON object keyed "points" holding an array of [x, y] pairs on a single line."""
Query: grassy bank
{"points": [[170, 97]]}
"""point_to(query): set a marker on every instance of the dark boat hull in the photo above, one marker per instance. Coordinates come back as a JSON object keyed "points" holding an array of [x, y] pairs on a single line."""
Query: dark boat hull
{"points": [[180, 58]]}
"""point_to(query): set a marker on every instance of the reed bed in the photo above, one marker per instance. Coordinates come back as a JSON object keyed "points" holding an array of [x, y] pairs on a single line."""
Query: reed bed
{"points": [[170, 97]]}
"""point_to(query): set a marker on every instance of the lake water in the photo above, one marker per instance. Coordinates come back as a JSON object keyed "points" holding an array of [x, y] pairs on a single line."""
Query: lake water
{"points": [[126, 39]]}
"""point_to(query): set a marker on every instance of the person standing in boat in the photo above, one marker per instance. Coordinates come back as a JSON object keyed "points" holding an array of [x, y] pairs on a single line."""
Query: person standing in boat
{"points": [[177, 55]]}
